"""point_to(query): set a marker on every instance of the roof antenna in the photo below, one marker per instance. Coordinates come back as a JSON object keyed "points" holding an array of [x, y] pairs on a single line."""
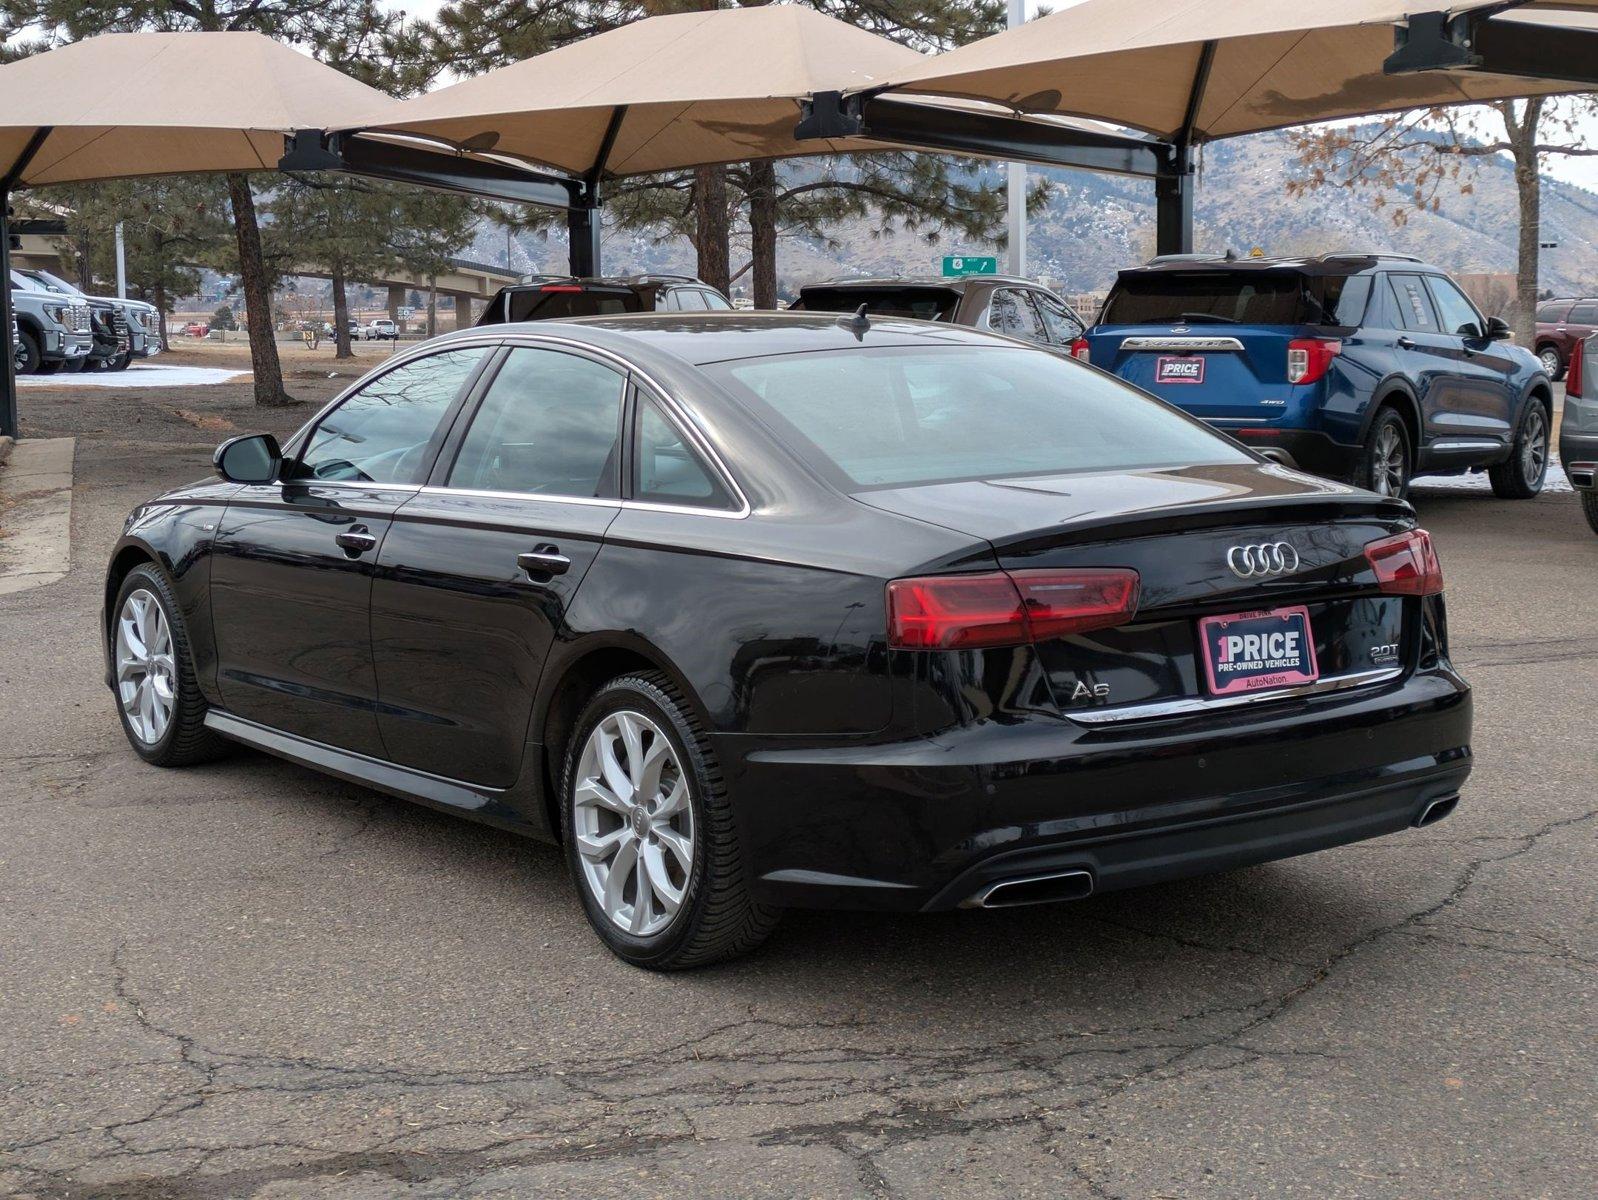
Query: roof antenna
{"points": [[857, 323]]}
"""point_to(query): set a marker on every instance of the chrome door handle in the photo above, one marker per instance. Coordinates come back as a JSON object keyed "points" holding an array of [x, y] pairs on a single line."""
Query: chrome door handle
{"points": [[356, 541], [546, 560], [1405, 343]]}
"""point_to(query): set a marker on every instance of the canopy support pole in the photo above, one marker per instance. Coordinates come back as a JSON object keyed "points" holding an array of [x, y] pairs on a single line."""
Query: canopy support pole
{"points": [[582, 228], [1173, 187], [8, 373]]}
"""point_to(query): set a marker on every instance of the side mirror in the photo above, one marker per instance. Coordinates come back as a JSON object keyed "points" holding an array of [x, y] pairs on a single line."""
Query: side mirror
{"points": [[1498, 330], [252, 458]]}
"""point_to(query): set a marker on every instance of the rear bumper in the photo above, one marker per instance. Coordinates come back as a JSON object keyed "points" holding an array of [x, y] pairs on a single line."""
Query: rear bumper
{"points": [[1578, 452], [928, 825], [1309, 450]]}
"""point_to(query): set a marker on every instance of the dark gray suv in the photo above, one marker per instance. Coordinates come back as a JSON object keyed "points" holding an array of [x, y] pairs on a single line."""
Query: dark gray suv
{"points": [[1004, 304]]}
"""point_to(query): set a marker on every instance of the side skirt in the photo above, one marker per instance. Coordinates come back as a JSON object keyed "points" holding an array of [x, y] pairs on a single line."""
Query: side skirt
{"points": [[491, 805]]}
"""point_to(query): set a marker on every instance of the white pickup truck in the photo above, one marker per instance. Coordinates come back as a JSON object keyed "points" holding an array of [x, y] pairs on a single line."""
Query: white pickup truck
{"points": [[380, 329]]}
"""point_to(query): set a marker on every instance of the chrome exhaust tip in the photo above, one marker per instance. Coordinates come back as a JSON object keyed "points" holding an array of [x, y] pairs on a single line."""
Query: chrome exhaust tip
{"points": [[1436, 811], [1034, 889]]}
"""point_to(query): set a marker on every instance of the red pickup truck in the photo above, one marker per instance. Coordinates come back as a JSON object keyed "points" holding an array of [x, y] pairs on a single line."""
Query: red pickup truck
{"points": [[1560, 325]]}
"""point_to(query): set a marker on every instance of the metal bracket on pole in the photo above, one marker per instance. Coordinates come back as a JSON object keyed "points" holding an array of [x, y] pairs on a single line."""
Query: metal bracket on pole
{"points": [[1476, 41]]}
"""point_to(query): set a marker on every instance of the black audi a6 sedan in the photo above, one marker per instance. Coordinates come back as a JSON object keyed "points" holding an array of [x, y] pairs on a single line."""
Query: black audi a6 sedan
{"points": [[753, 611]]}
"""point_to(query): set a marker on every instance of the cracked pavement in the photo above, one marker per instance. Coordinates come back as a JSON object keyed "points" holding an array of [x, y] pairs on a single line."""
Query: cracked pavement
{"points": [[247, 980]]}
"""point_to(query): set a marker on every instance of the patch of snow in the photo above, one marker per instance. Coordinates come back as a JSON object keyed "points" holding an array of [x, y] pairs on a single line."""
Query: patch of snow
{"points": [[139, 375], [1477, 481]]}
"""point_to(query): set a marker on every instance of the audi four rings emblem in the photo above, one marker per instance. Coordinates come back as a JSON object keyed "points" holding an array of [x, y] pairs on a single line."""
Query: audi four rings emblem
{"points": [[1267, 558]]}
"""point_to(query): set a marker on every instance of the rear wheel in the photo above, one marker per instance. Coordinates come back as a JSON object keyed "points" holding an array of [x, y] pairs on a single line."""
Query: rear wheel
{"points": [[158, 699], [1384, 466], [1589, 505], [649, 833], [1552, 363], [1521, 475]]}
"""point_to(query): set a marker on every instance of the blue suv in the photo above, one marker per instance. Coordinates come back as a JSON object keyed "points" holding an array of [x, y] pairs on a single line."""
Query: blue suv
{"points": [[1371, 368]]}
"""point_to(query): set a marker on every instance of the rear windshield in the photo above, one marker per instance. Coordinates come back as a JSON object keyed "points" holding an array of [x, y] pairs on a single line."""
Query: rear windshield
{"points": [[921, 303], [890, 417], [1236, 298], [544, 304]]}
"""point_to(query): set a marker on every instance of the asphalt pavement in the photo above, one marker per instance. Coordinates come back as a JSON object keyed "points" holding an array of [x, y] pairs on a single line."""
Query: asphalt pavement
{"points": [[248, 980]]}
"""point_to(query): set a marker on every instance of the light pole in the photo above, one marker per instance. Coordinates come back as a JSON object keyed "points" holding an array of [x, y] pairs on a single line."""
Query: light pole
{"points": [[1016, 188]]}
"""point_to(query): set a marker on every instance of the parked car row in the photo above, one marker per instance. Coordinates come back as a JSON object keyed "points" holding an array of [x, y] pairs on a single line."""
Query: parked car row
{"points": [[59, 328]]}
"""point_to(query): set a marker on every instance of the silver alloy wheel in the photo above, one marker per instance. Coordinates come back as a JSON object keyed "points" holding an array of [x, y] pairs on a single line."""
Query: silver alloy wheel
{"points": [[634, 823], [1390, 463], [1550, 361], [146, 672], [1534, 450]]}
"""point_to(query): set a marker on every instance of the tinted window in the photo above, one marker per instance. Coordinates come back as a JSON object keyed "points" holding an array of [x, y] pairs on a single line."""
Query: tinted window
{"points": [[886, 417], [1227, 297], [1011, 312], [1061, 323], [1344, 298], [554, 302], [1584, 314], [1414, 304], [1457, 314], [381, 433], [715, 301], [1553, 311], [923, 304], [548, 427], [665, 468]]}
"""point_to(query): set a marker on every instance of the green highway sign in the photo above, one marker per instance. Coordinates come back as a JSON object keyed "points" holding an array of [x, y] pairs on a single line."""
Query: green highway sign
{"points": [[967, 264]]}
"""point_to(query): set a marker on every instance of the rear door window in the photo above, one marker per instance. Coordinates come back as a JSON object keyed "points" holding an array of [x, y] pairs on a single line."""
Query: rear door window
{"points": [[1061, 322], [1585, 313], [548, 426], [1553, 312], [1415, 309], [666, 470], [715, 301], [689, 299], [1011, 312]]}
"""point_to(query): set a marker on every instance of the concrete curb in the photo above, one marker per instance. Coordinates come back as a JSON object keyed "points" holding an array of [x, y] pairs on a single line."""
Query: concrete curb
{"points": [[36, 514]]}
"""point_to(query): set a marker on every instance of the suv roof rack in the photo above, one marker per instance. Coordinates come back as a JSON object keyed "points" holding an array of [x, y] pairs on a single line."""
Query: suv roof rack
{"points": [[661, 277], [1393, 254], [545, 277], [1205, 256]]}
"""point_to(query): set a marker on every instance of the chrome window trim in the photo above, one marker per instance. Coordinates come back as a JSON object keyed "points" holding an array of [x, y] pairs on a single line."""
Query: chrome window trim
{"points": [[1186, 345], [1189, 705]]}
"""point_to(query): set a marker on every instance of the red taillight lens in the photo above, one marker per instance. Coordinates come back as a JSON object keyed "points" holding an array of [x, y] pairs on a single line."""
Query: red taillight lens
{"points": [[1081, 351], [1006, 608], [1406, 565], [1576, 369], [1308, 359]]}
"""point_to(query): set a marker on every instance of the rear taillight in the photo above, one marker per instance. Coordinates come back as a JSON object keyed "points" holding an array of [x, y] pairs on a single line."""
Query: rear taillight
{"points": [[1308, 359], [560, 287], [1574, 372], [1406, 565], [1080, 350], [1006, 608]]}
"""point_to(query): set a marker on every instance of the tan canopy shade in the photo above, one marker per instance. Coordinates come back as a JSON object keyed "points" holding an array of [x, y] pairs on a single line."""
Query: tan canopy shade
{"points": [[125, 104], [675, 91], [1274, 63]]}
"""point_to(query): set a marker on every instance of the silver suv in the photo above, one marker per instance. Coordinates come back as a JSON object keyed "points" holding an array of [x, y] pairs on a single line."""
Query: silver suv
{"points": [[53, 330]]}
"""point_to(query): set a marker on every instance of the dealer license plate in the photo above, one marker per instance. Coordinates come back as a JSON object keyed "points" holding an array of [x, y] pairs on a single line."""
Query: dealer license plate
{"points": [[1258, 651]]}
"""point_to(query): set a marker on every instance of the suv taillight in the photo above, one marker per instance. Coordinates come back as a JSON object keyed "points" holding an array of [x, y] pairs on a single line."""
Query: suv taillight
{"points": [[1308, 359], [1406, 565], [1006, 608], [1575, 371], [1080, 350]]}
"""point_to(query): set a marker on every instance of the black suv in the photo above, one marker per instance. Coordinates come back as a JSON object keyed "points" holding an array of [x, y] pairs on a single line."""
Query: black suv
{"points": [[549, 297], [1004, 304]]}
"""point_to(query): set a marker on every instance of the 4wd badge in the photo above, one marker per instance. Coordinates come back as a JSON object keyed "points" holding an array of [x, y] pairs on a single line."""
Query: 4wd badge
{"points": [[1186, 369]]}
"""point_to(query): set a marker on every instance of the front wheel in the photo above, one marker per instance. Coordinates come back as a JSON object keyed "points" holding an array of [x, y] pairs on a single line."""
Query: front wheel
{"points": [[28, 358], [1553, 365], [1385, 464], [158, 699], [1589, 506], [1521, 475], [649, 832]]}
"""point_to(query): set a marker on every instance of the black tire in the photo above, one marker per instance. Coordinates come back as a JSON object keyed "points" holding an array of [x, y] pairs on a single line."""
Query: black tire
{"points": [[49, 368], [29, 359], [74, 366], [1589, 506], [186, 740], [1553, 362], [1521, 475], [1387, 463], [121, 362], [718, 918]]}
